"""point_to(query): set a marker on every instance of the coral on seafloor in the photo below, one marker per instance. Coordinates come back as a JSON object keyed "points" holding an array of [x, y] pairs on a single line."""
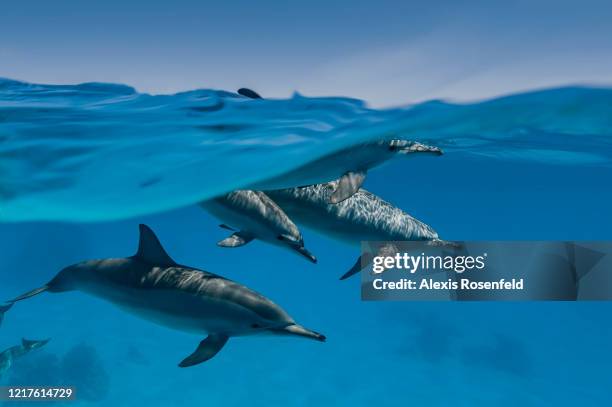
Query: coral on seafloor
{"points": [[81, 368]]}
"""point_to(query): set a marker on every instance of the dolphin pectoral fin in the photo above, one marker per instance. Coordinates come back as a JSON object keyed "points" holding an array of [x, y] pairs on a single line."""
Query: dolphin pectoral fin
{"points": [[206, 350], [347, 186], [224, 226], [249, 93], [235, 240]]}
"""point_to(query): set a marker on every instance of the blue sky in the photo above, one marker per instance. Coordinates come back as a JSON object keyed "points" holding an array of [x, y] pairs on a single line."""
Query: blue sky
{"points": [[386, 52]]}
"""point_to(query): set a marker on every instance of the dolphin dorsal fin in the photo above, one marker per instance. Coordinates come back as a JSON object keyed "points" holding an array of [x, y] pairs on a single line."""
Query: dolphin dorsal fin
{"points": [[151, 250], [250, 93]]}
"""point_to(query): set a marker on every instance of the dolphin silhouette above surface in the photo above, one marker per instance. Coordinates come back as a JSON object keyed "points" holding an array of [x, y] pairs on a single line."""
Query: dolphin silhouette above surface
{"points": [[3, 309], [348, 165], [8, 356], [362, 217], [256, 216], [153, 286]]}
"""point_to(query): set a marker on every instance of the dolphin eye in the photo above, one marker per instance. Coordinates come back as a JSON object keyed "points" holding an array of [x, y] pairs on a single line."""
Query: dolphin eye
{"points": [[255, 326]]}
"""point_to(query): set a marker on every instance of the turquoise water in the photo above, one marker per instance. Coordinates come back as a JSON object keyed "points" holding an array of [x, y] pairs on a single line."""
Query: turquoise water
{"points": [[101, 151], [528, 166]]}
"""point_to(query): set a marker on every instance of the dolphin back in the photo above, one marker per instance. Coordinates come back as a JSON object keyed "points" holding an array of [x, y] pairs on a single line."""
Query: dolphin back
{"points": [[364, 216]]}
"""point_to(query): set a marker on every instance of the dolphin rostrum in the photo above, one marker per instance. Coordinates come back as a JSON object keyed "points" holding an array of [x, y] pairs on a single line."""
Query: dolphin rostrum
{"points": [[153, 286], [257, 217], [349, 165], [8, 356], [3, 309], [363, 217]]}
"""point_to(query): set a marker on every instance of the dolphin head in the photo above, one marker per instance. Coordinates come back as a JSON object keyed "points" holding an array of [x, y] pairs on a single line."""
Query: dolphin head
{"points": [[268, 318], [294, 329], [285, 328], [296, 243], [400, 146], [265, 221], [287, 233]]}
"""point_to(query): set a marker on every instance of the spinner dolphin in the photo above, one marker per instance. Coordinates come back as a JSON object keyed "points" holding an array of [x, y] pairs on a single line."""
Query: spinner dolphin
{"points": [[362, 217], [256, 216], [349, 165], [153, 286]]}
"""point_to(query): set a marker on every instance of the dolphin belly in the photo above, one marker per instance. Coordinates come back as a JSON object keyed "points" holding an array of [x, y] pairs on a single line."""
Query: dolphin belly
{"points": [[178, 309]]}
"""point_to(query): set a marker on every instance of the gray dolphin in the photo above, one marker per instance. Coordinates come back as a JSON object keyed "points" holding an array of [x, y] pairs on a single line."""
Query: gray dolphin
{"points": [[153, 286], [257, 217], [349, 165], [363, 217], [3, 309], [8, 356]]}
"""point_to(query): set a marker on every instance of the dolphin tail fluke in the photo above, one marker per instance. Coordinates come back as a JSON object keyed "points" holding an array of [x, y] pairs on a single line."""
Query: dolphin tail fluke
{"points": [[3, 309], [348, 185], [206, 350], [29, 294]]}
